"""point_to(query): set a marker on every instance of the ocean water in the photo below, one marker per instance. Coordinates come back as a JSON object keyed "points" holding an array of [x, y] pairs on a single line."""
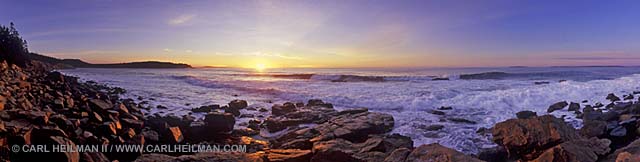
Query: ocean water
{"points": [[408, 94]]}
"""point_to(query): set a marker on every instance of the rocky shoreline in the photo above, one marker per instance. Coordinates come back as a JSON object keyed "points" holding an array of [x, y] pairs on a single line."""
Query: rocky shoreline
{"points": [[41, 107]]}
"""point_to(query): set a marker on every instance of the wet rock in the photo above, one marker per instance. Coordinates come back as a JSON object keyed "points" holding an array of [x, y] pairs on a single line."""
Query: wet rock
{"points": [[234, 111], [584, 150], [594, 128], [238, 104], [289, 155], [397, 155], [530, 137], [494, 154], [631, 151], [354, 127], [207, 108], [574, 106], [304, 144], [353, 111], [557, 106], [618, 131], [436, 112], [445, 108], [540, 82], [279, 110], [526, 114], [612, 97], [627, 97], [437, 152], [461, 120], [317, 102], [262, 109], [219, 122], [439, 78]]}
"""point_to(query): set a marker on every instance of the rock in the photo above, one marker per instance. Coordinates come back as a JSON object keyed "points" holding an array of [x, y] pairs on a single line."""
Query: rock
{"points": [[397, 155], [238, 104], [619, 131], [628, 97], [175, 135], [94, 157], [439, 78], [204, 156], [530, 137], [612, 97], [631, 151], [557, 106], [574, 106], [279, 110], [353, 111], [540, 82], [584, 150], [205, 109], [101, 105], [219, 122], [151, 136], [461, 120], [436, 112], [593, 128], [445, 108], [437, 152], [494, 154], [317, 102], [337, 150], [69, 156], [132, 123], [234, 111], [304, 144], [354, 127], [55, 77], [289, 155], [526, 114], [3, 101]]}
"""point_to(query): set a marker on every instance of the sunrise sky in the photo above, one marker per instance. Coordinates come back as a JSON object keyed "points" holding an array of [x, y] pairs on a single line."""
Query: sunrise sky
{"points": [[354, 33]]}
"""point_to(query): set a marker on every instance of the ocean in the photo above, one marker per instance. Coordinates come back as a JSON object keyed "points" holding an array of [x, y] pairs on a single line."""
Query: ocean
{"points": [[483, 95]]}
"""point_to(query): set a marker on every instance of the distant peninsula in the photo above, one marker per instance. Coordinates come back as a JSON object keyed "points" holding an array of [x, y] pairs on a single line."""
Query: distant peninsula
{"points": [[77, 63]]}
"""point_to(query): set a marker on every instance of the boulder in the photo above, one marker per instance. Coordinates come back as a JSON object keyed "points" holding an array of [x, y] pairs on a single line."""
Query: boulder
{"points": [[219, 122], [206, 109], [593, 128], [278, 110], [69, 156], [398, 155], [526, 114], [627, 153], [530, 137], [437, 152], [355, 127], [238, 104], [574, 106], [583, 150], [557, 106], [612, 97], [100, 105]]}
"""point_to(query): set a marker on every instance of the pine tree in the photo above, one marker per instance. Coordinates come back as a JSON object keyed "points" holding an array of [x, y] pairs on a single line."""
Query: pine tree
{"points": [[13, 48]]}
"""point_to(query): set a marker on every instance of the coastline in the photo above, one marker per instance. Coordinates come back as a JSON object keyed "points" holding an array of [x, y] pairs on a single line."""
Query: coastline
{"points": [[36, 102]]}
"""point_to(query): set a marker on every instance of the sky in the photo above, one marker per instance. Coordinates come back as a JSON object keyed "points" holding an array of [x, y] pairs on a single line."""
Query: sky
{"points": [[354, 33]]}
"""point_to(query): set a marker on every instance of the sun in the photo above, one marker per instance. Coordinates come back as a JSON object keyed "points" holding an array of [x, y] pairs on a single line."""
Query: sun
{"points": [[260, 67]]}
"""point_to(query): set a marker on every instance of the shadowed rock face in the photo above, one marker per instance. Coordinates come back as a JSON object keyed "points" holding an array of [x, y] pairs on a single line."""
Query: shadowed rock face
{"points": [[583, 150], [437, 152], [530, 137]]}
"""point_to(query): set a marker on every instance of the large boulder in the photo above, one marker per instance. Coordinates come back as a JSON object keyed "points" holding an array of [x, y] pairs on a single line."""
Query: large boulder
{"points": [[557, 106], [278, 110], [530, 137], [584, 150], [630, 152], [437, 152], [355, 127], [219, 122]]}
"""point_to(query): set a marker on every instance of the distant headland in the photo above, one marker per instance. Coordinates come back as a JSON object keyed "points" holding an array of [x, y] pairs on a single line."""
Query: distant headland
{"points": [[77, 63]]}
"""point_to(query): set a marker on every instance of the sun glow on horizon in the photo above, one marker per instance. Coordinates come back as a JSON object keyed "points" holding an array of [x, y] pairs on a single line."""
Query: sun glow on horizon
{"points": [[260, 67]]}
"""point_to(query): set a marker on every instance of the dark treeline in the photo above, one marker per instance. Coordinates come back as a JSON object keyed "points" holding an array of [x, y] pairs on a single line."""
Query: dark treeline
{"points": [[13, 48]]}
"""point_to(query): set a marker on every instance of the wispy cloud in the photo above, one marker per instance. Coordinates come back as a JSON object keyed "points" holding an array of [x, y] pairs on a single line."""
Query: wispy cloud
{"points": [[261, 54], [182, 19], [167, 50]]}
